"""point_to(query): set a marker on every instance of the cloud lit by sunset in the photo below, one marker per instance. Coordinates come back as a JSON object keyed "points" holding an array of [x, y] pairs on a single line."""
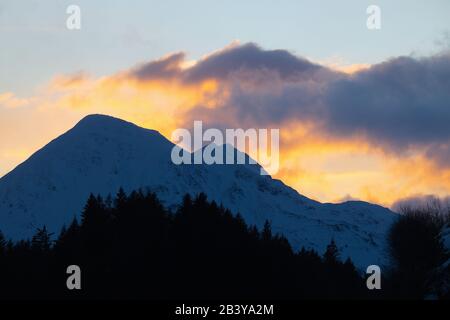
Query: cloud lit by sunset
{"points": [[182, 154], [377, 133]]}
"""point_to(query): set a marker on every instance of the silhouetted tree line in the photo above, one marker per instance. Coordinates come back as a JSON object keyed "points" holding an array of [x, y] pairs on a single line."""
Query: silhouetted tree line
{"points": [[418, 253], [132, 247]]}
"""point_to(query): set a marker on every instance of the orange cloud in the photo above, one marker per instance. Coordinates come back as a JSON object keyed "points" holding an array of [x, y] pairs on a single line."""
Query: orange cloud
{"points": [[331, 169], [316, 163], [9, 100]]}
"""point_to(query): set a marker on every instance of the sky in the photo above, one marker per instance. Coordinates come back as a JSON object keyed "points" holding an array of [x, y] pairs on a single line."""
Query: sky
{"points": [[363, 114]]}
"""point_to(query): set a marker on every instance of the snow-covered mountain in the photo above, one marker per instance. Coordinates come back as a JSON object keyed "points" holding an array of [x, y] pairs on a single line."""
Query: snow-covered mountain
{"points": [[101, 154]]}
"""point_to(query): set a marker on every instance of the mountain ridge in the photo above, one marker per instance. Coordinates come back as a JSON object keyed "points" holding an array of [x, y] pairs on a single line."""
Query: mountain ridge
{"points": [[100, 154]]}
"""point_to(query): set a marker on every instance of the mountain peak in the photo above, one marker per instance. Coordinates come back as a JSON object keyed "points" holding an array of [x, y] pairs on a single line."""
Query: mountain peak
{"points": [[102, 154], [101, 120], [109, 125]]}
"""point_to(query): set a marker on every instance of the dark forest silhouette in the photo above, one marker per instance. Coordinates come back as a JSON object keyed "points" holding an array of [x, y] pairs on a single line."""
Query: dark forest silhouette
{"points": [[131, 247], [418, 253]]}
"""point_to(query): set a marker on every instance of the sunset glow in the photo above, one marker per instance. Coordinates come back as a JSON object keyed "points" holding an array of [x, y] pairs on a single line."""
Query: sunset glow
{"points": [[317, 163]]}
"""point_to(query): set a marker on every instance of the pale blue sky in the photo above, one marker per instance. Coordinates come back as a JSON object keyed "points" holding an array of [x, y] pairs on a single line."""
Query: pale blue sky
{"points": [[35, 44]]}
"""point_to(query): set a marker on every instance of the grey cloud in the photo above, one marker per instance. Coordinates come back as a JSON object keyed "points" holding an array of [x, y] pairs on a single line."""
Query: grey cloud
{"points": [[402, 102], [220, 65], [251, 57], [439, 153], [399, 104], [165, 68]]}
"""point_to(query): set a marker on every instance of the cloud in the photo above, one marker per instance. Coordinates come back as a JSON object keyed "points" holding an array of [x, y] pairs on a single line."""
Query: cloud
{"points": [[9, 100], [398, 105], [165, 68], [347, 197], [223, 64], [250, 57], [377, 133], [439, 153], [439, 204]]}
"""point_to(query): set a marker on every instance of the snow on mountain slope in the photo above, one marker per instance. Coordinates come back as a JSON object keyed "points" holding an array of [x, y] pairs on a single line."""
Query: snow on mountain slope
{"points": [[101, 154]]}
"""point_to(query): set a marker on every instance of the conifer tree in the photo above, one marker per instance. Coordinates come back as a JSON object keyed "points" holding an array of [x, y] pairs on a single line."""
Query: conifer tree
{"points": [[267, 231], [121, 199], [331, 255], [41, 241], [94, 212], [3, 244]]}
